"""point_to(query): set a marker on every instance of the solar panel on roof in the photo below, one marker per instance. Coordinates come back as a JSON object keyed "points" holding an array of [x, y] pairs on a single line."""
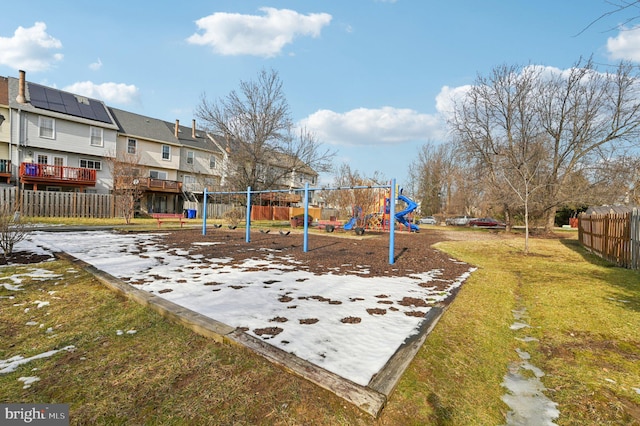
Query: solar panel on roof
{"points": [[85, 110], [36, 94], [53, 96], [71, 104], [56, 100], [54, 106], [99, 112]]}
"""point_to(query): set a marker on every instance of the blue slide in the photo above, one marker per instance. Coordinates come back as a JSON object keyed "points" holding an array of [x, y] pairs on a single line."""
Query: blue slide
{"points": [[357, 212], [400, 216], [349, 225]]}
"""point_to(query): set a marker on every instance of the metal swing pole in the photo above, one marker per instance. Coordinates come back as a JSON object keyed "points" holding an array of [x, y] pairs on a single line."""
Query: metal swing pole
{"points": [[204, 213], [306, 217], [392, 223], [248, 230]]}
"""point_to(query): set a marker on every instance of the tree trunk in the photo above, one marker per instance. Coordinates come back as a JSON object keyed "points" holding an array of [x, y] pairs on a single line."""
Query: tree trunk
{"points": [[507, 218], [551, 220]]}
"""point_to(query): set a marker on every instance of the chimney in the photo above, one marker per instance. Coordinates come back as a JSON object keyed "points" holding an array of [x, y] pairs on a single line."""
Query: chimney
{"points": [[21, 89], [177, 130], [193, 128]]}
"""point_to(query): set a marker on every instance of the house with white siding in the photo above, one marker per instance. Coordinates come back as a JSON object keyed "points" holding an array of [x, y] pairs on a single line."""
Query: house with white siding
{"points": [[53, 140], [58, 140]]}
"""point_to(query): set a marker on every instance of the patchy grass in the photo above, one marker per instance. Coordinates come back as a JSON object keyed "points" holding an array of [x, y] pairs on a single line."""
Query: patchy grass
{"points": [[584, 312], [118, 222], [162, 374]]}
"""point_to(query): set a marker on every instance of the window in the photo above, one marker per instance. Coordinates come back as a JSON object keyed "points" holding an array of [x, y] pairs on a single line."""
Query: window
{"points": [[96, 136], [166, 152], [53, 160], [190, 157], [91, 164], [188, 182], [155, 174], [132, 146], [47, 127], [212, 162]]}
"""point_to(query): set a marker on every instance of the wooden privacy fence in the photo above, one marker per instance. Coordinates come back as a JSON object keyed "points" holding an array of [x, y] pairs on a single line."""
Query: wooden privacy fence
{"points": [[214, 210], [57, 204], [217, 211], [281, 213], [614, 237]]}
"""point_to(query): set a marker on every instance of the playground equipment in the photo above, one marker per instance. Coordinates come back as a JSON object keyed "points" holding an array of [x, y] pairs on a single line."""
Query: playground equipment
{"points": [[351, 224], [379, 220], [305, 198], [401, 215]]}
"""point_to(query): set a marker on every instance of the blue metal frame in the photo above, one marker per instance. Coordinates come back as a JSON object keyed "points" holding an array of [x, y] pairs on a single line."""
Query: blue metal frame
{"points": [[392, 210]]}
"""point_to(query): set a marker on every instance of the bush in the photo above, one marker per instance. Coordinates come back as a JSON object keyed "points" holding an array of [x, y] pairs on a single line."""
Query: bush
{"points": [[12, 229], [234, 216]]}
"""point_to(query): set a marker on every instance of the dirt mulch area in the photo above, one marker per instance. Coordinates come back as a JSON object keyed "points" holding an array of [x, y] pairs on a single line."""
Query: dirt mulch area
{"points": [[24, 258], [337, 252], [340, 254]]}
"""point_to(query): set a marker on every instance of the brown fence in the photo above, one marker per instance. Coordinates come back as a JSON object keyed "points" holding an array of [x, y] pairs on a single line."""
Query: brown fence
{"points": [[614, 237], [281, 213], [57, 204]]}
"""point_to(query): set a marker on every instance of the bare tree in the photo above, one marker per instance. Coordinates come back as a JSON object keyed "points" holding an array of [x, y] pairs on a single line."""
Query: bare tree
{"points": [[436, 173], [588, 117], [630, 7], [608, 182], [12, 229], [532, 129], [127, 186], [497, 127], [263, 147], [346, 200]]}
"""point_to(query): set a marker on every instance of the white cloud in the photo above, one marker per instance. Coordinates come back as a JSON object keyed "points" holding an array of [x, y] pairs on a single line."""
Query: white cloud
{"points": [[237, 34], [119, 93], [446, 98], [30, 49], [382, 126], [95, 66], [626, 45]]}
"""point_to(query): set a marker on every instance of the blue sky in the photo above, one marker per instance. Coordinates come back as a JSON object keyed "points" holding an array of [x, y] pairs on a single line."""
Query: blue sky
{"points": [[369, 77]]}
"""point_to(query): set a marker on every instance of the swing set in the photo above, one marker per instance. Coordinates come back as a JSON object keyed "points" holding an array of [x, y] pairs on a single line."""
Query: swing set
{"points": [[249, 193]]}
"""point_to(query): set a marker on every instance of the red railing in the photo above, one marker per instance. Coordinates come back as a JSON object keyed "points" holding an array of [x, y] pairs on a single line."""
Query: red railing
{"points": [[33, 172]]}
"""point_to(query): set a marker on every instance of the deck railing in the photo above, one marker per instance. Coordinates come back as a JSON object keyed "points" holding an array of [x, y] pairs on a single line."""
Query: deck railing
{"points": [[34, 172]]}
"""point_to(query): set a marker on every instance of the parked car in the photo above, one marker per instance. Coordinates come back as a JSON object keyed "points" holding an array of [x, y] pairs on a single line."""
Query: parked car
{"points": [[487, 222], [458, 221], [429, 220]]}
